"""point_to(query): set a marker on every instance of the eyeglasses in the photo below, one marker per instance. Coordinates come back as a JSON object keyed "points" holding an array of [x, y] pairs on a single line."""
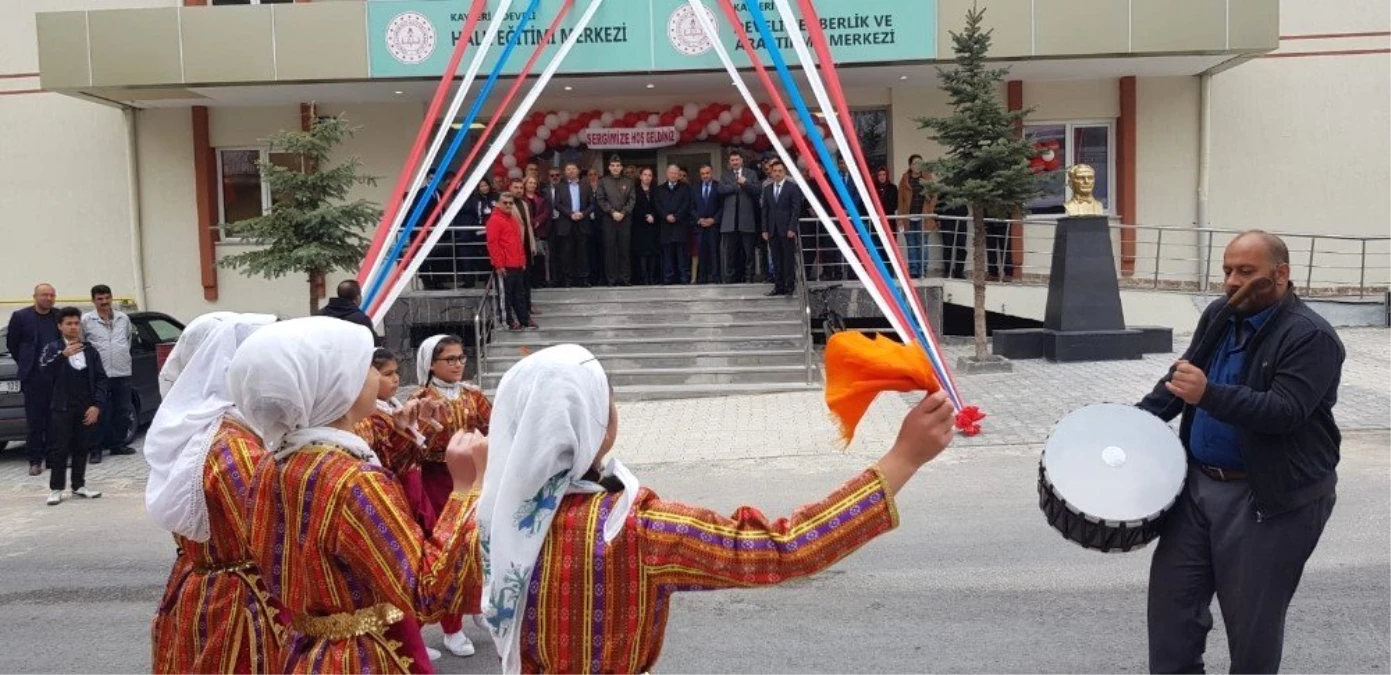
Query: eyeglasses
{"points": [[451, 360]]}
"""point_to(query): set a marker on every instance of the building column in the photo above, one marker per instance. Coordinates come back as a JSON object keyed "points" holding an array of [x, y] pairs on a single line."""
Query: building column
{"points": [[1014, 100], [1126, 206], [205, 188]]}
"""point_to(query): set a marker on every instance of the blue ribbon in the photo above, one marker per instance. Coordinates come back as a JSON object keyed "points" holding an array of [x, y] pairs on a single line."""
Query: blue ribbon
{"points": [[761, 23], [460, 134]]}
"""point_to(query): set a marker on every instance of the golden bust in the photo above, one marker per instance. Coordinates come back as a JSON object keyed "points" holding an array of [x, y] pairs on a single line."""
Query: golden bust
{"points": [[1082, 179]]}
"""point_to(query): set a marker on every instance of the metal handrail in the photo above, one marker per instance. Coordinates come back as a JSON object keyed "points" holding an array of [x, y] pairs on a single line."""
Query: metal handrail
{"points": [[485, 311], [806, 311]]}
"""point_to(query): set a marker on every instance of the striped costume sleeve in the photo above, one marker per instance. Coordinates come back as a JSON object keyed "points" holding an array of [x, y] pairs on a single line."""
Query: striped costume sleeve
{"points": [[396, 448], [470, 412], [430, 573], [693, 548]]}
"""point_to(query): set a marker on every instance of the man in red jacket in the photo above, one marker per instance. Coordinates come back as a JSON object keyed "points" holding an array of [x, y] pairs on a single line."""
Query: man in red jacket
{"points": [[508, 255]]}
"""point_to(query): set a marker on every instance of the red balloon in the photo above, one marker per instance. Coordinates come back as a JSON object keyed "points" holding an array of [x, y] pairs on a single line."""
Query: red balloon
{"points": [[667, 119], [736, 128]]}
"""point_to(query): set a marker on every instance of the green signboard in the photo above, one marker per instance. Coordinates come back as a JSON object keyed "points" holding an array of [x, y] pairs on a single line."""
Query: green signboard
{"points": [[415, 38]]}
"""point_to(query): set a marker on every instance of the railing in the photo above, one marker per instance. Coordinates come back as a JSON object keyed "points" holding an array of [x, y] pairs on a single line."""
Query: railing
{"points": [[1165, 258], [483, 321], [459, 260], [806, 317]]}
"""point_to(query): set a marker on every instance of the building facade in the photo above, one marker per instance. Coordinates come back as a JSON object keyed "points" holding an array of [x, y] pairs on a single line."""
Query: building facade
{"points": [[130, 127]]}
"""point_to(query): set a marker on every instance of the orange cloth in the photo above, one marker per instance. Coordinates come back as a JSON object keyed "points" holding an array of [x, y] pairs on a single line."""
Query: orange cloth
{"points": [[859, 368]]}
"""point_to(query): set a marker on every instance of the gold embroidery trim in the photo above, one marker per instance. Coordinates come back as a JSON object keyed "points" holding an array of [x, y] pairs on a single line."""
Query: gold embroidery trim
{"points": [[372, 620], [234, 566]]}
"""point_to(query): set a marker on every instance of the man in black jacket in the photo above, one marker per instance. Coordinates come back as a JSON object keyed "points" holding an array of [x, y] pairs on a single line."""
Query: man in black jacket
{"points": [[1262, 449], [675, 210], [74, 369], [30, 329], [782, 205], [348, 307]]}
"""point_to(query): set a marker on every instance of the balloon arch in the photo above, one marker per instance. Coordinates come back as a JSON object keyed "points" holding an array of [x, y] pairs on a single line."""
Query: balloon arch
{"points": [[727, 124]]}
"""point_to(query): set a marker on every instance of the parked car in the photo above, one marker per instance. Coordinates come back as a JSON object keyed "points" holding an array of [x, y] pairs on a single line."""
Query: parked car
{"points": [[151, 330]]}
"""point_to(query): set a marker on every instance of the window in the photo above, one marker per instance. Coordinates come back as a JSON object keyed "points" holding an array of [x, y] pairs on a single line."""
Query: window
{"points": [[1090, 143], [872, 128], [241, 192], [164, 331]]}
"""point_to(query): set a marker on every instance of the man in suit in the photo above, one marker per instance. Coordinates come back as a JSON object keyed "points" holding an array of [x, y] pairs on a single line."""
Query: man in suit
{"points": [[709, 212], [616, 196], [574, 205], [782, 204], [674, 208], [30, 329], [555, 179], [738, 221]]}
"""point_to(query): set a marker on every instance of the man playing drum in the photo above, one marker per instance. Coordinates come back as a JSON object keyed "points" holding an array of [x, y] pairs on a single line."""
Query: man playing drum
{"points": [[1257, 422]]}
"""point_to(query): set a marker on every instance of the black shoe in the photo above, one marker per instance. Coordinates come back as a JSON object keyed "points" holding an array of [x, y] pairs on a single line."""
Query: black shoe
{"points": [[35, 468], [94, 457], [772, 293], [127, 450]]}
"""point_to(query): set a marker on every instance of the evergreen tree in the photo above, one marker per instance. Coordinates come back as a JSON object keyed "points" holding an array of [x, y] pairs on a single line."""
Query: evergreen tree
{"points": [[311, 228], [986, 165]]}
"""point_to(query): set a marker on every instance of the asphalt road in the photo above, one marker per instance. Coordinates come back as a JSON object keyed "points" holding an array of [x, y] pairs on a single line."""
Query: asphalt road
{"points": [[974, 580]]}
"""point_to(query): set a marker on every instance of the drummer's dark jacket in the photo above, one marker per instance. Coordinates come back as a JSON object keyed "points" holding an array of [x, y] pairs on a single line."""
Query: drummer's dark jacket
{"points": [[1283, 408]]}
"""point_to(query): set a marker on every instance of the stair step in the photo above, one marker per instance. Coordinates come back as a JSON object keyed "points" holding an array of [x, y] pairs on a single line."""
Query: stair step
{"points": [[694, 376], [534, 340], [684, 292], [644, 392], [657, 331], [501, 361]]}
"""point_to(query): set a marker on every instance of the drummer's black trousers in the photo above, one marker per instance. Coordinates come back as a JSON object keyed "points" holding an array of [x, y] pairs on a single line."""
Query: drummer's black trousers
{"points": [[1212, 543]]}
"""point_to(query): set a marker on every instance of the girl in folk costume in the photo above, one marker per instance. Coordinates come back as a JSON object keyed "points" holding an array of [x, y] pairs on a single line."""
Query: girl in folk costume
{"points": [[392, 434], [331, 526], [439, 368], [216, 615], [600, 605]]}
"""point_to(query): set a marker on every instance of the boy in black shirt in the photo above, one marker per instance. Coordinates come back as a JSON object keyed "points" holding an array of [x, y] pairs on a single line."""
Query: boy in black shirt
{"points": [[74, 370]]}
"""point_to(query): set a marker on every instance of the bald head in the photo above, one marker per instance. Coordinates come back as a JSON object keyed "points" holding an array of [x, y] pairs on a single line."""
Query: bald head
{"points": [[44, 297], [1256, 254]]}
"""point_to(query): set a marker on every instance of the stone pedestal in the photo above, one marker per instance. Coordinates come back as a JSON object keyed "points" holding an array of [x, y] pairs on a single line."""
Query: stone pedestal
{"points": [[1083, 320]]}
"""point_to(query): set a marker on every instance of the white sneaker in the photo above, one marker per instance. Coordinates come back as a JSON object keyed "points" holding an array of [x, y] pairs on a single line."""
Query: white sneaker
{"points": [[55, 497], [458, 644], [481, 622], [433, 653], [86, 493]]}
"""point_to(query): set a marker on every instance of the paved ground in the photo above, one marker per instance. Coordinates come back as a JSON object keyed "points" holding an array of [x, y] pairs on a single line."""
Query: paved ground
{"points": [[974, 580]]}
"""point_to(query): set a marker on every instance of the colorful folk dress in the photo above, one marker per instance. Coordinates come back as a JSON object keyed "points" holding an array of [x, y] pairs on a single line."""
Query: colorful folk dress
{"points": [[596, 608], [216, 615], [348, 560], [470, 411]]}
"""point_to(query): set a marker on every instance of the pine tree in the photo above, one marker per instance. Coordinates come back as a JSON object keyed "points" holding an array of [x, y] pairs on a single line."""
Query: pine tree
{"points": [[986, 165], [311, 228]]}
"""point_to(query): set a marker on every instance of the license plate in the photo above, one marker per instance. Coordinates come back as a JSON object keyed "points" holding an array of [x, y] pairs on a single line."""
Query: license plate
{"points": [[9, 387]]}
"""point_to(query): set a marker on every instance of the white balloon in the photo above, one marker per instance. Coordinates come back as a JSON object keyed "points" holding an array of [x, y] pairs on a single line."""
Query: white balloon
{"points": [[690, 111], [509, 161], [537, 145], [606, 118], [785, 141], [802, 162], [543, 133], [508, 148], [749, 136], [681, 123], [774, 117], [573, 141], [595, 124], [702, 136], [552, 121], [640, 124], [654, 119], [726, 118], [563, 116], [737, 109], [713, 127], [514, 172]]}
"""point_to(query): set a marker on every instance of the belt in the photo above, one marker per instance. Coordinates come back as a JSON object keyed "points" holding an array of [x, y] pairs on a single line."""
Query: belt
{"points": [[1218, 473], [234, 566], [346, 625]]}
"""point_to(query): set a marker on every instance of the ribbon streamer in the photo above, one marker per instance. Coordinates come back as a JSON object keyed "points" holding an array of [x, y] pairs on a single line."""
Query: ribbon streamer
{"points": [[493, 151]]}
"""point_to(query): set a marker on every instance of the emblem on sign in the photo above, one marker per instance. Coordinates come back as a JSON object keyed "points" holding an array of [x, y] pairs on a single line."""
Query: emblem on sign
{"points": [[410, 37], [685, 32]]}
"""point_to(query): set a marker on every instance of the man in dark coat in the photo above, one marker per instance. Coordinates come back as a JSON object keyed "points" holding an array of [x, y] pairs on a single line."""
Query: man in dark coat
{"points": [[709, 212], [615, 199], [348, 307], [782, 205], [30, 329], [739, 221], [78, 395], [674, 211], [574, 206]]}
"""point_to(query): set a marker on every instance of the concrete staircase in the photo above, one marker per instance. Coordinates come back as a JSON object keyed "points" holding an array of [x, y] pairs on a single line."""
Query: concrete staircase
{"points": [[671, 342]]}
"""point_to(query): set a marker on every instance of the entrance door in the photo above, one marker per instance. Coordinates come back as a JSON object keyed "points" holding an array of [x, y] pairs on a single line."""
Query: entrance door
{"points": [[689, 157]]}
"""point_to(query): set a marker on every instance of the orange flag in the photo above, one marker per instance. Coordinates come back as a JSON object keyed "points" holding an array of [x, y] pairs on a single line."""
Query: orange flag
{"points": [[858, 368]]}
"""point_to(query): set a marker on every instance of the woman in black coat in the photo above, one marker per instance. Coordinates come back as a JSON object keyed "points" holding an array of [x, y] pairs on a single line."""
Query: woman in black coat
{"points": [[647, 249], [888, 198], [469, 243]]}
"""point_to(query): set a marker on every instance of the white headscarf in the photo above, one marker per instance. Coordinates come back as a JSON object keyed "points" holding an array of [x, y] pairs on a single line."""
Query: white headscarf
{"points": [[190, 339], [548, 423], [293, 378], [182, 433], [424, 358]]}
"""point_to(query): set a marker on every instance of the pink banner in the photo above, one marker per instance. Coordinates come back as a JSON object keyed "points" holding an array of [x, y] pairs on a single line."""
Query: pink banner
{"points": [[630, 139]]}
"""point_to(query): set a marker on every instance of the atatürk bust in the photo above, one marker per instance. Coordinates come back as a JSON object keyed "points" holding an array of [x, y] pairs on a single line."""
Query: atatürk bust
{"points": [[1082, 179]]}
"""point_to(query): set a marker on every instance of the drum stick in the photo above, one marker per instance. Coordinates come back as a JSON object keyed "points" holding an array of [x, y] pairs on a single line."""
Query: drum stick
{"points": [[1216, 331]]}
